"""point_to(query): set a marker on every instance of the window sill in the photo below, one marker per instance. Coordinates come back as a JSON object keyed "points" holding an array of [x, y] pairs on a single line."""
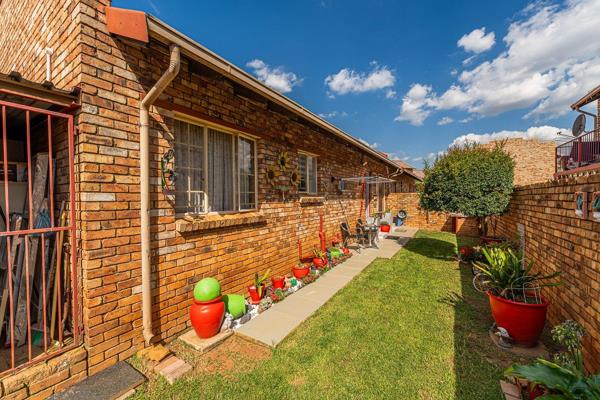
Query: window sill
{"points": [[308, 200], [213, 222]]}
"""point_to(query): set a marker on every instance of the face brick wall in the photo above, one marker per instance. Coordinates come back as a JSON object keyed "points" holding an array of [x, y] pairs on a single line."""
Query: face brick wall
{"points": [[557, 240], [534, 159]]}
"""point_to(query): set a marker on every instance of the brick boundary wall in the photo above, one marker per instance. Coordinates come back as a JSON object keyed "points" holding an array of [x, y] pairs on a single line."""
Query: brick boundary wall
{"points": [[557, 240], [432, 221]]}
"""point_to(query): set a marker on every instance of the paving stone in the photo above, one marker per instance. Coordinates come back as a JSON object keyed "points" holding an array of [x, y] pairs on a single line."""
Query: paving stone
{"points": [[109, 384], [204, 345], [510, 390], [155, 353], [172, 369]]}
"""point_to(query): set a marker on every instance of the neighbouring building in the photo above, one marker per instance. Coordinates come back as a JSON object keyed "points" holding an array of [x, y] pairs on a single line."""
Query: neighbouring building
{"points": [[113, 213]]}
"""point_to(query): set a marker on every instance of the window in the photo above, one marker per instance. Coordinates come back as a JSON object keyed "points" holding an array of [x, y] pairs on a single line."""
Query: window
{"points": [[307, 165], [215, 170]]}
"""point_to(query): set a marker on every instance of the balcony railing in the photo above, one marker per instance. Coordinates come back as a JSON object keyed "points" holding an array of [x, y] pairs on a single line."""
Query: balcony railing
{"points": [[579, 152]]}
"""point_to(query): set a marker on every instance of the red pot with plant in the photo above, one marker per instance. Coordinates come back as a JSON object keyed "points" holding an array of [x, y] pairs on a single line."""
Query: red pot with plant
{"points": [[257, 290], [384, 227], [300, 270], [513, 290], [278, 281], [207, 317], [319, 259], [523, 321]]}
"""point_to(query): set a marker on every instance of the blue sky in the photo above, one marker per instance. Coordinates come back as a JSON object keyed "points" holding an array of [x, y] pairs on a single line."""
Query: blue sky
{"points": [[409, 77]]}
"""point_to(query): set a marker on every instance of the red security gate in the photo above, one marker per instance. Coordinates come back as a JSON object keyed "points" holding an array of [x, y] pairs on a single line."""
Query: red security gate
{"points": [[39, 308]]}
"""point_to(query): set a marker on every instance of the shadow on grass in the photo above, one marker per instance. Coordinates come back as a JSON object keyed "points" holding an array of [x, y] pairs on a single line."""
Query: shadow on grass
{"points": [[432, 248]]}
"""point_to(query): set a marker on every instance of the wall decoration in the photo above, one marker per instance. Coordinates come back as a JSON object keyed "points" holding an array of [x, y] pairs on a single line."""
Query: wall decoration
{"points": [[581, 204], [272, 175], [295, 178], [167, 169], [596, 206], [283, 161]]}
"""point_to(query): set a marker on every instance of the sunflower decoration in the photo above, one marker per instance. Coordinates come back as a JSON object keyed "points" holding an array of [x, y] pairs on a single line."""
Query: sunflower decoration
{"points": [[283, 161], [295, 178], [272, 175]]}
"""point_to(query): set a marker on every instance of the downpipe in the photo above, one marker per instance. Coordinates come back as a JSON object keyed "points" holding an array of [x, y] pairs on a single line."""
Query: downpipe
{"points": [[146, 103]]}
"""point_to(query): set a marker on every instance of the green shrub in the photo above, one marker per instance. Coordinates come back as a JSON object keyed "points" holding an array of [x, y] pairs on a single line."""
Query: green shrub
{"points": [[469, 180]]}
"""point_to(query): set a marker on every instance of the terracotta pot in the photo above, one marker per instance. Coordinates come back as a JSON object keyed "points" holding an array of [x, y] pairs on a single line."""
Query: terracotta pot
{"points": [[523, 321], [207, 317], [384, 228], [319, 262], [278, 282], [300, 273], [254, 294]]}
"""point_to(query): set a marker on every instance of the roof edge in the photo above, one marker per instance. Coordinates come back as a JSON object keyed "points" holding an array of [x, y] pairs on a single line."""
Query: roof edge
{"points": [[200, 53], [590, 96]]}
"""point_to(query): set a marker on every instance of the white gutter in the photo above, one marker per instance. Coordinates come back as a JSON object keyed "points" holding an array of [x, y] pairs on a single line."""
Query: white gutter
{"points": [[153, 93], [212, 60]]}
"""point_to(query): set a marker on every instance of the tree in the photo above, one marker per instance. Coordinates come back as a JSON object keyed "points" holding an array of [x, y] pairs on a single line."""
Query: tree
{"points": [[470, 180]]}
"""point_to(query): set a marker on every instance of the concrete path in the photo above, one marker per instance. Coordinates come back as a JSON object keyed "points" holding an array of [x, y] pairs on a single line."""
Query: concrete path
{"points": [[273, 325]]}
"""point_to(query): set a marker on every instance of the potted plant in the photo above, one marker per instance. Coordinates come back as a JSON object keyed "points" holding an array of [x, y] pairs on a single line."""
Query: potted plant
{"points": [[256, 290], [319, 258], [301, 270], [278, 281], [565, 376], [384, 226], [513, 290]]}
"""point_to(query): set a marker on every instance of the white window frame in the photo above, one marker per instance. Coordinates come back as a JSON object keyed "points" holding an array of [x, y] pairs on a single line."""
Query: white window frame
{"points": [[205, 125], [316, 158]]}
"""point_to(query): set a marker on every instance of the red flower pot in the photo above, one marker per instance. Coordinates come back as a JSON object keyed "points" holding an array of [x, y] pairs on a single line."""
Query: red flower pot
{"points": [[254, 294], [300, 273], [278, 282], [346, 250], [384, 228], [319, 262], [523, 321], [207, 317]]}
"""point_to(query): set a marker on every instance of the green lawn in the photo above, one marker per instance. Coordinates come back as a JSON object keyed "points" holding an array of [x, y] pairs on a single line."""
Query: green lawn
{"points": [[407, 328]]}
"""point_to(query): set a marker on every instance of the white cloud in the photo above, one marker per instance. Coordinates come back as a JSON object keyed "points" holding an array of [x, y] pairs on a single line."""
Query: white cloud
{"points": [[349, 81], [276, 78], [373, 145], [333, 114], [551, 59], [477, 41], [544, 133], [416, 105], [445, 121], [390, 94]]}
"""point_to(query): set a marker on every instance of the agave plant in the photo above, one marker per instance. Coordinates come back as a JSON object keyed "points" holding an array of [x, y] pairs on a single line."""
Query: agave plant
{"points": [[560, 382], [505, 275]]}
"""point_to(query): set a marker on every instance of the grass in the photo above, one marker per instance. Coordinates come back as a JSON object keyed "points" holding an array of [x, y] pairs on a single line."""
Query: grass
{"points": [[407, 328]]}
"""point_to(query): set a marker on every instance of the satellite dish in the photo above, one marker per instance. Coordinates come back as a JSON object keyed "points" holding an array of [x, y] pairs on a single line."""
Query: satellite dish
{"points": [[578, 125]]}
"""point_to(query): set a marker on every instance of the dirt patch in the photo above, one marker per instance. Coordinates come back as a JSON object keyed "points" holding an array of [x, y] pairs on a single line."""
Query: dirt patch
{"points": [[233, 356]]}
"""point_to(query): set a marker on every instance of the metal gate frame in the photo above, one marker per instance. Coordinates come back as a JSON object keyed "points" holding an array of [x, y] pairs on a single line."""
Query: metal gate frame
{"points": [[71, 228]]}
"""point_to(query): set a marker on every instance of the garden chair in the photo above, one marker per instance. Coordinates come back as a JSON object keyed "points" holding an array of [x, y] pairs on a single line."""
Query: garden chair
{"points": [[350, 238]]}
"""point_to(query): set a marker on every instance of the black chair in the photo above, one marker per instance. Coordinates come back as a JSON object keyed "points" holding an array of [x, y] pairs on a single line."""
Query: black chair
{"points": [[348, 237]]}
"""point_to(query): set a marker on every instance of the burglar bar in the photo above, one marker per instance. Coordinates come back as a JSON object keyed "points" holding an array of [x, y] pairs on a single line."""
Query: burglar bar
{"points": [[32, 240]]}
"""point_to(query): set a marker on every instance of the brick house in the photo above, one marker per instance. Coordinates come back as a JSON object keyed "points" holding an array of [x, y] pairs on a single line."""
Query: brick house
{"points": [[76, 81]]}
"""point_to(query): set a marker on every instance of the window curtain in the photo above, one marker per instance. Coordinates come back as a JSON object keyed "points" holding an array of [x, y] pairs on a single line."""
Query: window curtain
{"points": [[220, 169]]}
